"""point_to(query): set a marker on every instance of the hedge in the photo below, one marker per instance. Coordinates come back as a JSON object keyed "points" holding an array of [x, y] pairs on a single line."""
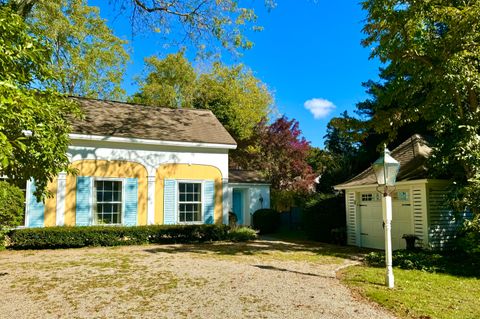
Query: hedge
{"points": [[266, 220], [324, 219], [75, 237]]}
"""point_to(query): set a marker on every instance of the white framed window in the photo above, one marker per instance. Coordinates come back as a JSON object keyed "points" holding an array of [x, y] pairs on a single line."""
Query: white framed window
{"points": [[108, 197], [190, 202], [401, 196], [370, 197]]}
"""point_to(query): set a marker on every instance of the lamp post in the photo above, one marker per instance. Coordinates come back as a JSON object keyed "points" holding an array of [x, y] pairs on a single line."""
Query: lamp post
{"points": [[386, 170]]}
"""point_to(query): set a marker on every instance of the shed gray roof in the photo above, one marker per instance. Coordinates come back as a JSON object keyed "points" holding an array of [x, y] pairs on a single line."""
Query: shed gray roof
{"points": [[109, 118], [412, 155], [246, 176]]}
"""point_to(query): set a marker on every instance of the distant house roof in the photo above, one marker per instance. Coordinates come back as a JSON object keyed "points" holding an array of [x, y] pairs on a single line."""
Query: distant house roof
{"points": [[412, 155], [109, 118], [245, 176]]}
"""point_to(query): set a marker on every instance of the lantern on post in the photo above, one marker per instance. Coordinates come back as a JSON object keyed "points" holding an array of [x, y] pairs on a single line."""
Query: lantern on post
{"points": [[386, 169]]}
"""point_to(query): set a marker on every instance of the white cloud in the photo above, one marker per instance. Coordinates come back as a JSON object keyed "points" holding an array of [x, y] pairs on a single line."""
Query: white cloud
{"points": [[320, 108]]}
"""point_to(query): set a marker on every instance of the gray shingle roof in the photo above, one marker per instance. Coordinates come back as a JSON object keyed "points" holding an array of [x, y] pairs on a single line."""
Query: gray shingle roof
{"points": [[245, 176], [109, 118], [412, 155]]}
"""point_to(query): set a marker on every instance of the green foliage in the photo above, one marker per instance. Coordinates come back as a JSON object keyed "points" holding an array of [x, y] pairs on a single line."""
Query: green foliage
{"points": [[322, 215], [11, 206], [74, 237], [266, 220], [241, 234], [431, 261], [34, 124], [468, 238], [170, 82], [87, 58], [204, 23], [236, 97]]}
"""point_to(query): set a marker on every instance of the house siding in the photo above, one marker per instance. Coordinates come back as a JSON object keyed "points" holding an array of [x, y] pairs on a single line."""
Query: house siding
{"points": [[188, 172], [106, 169], [352, 227], [443, 222]]}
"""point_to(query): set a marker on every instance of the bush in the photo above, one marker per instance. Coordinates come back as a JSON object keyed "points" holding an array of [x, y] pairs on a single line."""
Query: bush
{"points": [[266, 220], [74, 237], [468, 238], [242, 234], [11, 205], [324, 219], [407, 259]]}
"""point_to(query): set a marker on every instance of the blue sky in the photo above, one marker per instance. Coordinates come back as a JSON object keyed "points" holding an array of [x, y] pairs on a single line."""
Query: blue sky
{"points": [[309, 54]]}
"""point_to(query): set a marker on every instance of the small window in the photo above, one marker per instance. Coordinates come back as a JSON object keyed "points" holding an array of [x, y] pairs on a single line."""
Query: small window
{"points": [[108, 195], [369, 197], [401, 196], [190, 202]]}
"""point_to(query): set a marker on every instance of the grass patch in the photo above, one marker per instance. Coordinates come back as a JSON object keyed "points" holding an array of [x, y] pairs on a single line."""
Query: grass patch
{"points": [[418, 294]]}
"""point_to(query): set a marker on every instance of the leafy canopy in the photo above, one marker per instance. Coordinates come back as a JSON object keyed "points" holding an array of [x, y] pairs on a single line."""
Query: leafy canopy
{"points": [[233, 94], [430, 82], [88, 59], [34, 123]]}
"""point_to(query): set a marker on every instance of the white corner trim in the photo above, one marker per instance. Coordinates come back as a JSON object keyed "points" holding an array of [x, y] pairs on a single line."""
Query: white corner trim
{"points": [[151, 200], [61, 194], [117, 139]]}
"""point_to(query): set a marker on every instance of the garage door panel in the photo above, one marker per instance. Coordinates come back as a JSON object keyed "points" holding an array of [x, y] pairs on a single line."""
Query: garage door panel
{"points": [[371, 221]]}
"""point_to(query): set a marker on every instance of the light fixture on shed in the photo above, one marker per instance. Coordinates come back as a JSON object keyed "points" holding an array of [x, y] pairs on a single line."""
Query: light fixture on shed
{"points": [[386, 169]]}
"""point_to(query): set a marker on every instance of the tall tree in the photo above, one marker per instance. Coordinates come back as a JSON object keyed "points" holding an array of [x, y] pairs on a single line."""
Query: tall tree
{"points": [[236, 97], [170, 82], [431, 50], [233, 94], [283, 154], [206, 24], [34, 123], [87, 57]]}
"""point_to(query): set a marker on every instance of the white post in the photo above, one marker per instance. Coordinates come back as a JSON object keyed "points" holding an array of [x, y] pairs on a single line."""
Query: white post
{"points": [[61, 193], [225, 201], [387, 218], [151, 200]]}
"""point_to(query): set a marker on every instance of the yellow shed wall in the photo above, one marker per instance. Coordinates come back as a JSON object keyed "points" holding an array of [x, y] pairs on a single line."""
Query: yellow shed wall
{"points": [[102, 168], [187, 172]]}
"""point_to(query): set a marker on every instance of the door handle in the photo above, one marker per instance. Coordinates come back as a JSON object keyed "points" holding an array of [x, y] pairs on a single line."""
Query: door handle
{"points": [[364, 234], [406, 205]]}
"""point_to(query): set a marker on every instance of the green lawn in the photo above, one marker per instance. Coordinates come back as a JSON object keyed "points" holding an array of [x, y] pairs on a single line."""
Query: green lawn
{"points": [[418, 294]]}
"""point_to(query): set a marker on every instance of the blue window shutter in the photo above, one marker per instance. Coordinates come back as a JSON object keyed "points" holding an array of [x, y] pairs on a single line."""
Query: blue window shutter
{"points": [[169, 202], [131, 201], [83, 211], [36, 209], [208, 201]]}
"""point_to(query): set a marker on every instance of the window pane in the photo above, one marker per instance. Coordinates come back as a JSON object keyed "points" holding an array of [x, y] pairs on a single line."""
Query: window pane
{"points": [[109, 198]]}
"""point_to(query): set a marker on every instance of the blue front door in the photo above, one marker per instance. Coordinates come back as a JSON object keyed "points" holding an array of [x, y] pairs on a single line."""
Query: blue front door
{"points": [[238, 205]]}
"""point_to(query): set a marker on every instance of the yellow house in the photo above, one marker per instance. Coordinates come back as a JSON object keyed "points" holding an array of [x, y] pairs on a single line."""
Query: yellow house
{"points": [[140, 165], [419, 206]]}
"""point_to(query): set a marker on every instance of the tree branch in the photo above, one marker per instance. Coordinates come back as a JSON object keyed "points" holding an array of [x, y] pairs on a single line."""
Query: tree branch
{"points": [[166, 8]]}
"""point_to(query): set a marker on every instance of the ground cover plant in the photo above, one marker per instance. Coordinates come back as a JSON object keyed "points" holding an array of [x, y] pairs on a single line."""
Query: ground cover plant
{"points": [[427, 284]]}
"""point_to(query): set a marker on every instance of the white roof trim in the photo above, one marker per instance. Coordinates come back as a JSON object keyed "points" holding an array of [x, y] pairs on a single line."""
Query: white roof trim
{"points": [[403, 183], [116, 139]]}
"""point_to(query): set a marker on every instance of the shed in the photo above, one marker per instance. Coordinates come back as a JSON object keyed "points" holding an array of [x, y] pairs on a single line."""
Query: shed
{"points": [[418, 203], [249, 191]]}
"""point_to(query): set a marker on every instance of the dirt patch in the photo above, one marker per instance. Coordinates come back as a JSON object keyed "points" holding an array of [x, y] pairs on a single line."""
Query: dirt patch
{"points": [[264, 279]]}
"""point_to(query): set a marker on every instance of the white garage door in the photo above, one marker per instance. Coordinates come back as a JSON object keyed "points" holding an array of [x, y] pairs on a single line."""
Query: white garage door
{"points": [[371, 220]]}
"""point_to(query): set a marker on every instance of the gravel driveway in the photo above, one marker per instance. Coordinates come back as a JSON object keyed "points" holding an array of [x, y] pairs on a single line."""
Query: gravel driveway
{"points": [[263, 279]]}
